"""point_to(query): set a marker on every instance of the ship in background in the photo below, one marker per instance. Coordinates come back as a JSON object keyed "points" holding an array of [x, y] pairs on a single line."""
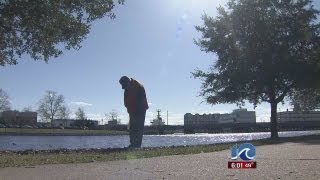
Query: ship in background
{"points": [[158, 123]]}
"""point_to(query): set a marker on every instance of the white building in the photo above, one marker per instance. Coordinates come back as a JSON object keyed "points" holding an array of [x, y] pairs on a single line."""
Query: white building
{"points": [[113, 122], [71, 122], [227, 118], [63, 122], [237, 116], [197, 119], [292, 116]]}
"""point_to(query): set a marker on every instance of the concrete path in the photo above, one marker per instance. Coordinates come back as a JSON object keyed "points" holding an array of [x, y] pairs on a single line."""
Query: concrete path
{"points": [[280, 161]]}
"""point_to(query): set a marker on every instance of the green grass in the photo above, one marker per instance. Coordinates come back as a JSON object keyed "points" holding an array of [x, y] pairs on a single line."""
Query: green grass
{"points": [[32, 158], [27, 131], [9, 159]]}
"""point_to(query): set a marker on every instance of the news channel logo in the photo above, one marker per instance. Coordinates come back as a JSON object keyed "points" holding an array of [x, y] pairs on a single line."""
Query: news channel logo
{"points": [[246, 152]]}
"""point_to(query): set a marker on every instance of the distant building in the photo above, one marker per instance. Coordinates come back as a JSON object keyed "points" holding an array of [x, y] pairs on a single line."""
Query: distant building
{"points": [[113, 122], [293, 116], [227, 118], [198, 120], [18, 118], [237, 116], [69, 123], [63, 123]]}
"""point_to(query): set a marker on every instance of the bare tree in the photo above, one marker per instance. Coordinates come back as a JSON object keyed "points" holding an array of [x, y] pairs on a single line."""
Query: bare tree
{"points": [[113, 116], [64, 112], [27, 109], [50, 106], [80, 114], [4, 101]]}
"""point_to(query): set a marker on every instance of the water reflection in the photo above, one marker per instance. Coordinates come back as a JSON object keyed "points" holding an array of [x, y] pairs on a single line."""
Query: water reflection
{"points": [[16, 143]]}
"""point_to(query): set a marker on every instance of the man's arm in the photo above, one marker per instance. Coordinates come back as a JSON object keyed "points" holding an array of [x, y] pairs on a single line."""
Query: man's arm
{"points": [[142, 99], [125, 94]]}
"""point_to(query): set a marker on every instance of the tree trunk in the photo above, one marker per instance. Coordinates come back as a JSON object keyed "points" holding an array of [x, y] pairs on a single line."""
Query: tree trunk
{"points": [[51, 121], [273, 123]]}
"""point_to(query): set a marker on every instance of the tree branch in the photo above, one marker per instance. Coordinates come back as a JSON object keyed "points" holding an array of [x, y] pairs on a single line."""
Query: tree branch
{"points": [[281, 97]]}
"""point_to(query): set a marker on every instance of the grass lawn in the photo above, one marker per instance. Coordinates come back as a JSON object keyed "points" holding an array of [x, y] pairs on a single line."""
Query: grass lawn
{"points": [[32, 158], [30, 131]]}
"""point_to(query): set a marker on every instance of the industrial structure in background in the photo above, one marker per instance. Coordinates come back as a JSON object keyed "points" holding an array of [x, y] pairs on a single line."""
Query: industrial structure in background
{"points": [[17, 118], [158, 123], [241, 120]]}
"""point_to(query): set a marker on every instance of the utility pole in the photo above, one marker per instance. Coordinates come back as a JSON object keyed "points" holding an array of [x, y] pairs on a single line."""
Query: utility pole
{"points": [[167, 119]]}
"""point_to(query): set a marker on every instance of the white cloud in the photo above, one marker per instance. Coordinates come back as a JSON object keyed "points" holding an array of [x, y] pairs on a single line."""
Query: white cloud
{"points": [[150, 114], [79, 103], [184, 17], [178, 32], [95, 116], [182, 21]]}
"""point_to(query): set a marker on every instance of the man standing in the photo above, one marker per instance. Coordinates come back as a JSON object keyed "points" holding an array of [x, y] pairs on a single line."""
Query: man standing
{"points": [[135, 101]]}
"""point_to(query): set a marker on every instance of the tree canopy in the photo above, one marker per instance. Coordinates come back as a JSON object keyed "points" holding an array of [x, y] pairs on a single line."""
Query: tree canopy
{"points": [[43, 28], [306, 99], [266, 49]]}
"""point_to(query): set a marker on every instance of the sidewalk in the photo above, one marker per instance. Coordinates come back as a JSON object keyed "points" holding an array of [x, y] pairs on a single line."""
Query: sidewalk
{"points": [[279, 161]]}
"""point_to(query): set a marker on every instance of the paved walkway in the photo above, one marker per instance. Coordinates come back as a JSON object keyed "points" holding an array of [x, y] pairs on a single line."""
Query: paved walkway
{"points": [[281, 161]]}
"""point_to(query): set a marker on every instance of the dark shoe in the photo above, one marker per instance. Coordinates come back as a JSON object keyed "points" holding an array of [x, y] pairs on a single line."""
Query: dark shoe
{"points": [[133, 147]]}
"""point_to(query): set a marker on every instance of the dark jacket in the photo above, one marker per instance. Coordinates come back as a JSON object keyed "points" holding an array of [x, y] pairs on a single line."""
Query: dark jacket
{"points": [[135, 98]]}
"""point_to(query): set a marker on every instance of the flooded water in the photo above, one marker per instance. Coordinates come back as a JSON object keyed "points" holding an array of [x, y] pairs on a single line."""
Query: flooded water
{"points": [[17, 143]]}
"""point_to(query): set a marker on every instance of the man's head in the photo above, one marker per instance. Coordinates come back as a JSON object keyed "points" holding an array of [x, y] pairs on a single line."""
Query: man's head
{"points": [[125, 82]]}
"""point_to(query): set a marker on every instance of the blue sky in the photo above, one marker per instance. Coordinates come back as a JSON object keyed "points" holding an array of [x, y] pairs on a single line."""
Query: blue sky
{"points": [[151, 41]]}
